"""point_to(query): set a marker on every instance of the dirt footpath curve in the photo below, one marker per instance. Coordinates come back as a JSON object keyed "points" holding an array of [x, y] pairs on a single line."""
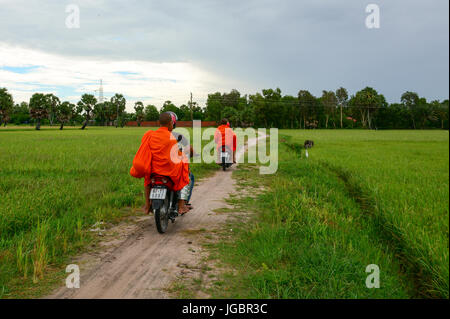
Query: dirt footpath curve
{"points": [[142, 263]]}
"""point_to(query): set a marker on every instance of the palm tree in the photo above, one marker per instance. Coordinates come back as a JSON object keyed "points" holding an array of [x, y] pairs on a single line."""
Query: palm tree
{"points": [[65, 112], [139, 108], [119, 103], [54, 104], [39, 107], [342, 97], [86, 104], [6, 105], [329, 102]]}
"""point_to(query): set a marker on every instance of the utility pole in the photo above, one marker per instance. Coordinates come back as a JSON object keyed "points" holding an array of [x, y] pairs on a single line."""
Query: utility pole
{"points": [[192, 114]]}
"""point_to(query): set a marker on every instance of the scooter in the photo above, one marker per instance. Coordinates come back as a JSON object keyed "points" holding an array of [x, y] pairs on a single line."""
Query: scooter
{"points": [[225, 157], [164, 201]]}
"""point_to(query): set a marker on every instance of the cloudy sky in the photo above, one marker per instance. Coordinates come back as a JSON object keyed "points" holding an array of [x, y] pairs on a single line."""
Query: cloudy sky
{"points": [[162, 50]]}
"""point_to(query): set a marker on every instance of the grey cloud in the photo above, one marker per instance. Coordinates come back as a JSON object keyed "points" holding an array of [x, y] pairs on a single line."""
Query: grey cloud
{"points": [[294, 45]]}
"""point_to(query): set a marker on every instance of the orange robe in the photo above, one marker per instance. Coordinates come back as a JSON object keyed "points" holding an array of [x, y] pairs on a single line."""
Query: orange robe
{"points": [[159, 154], [224, 135]]}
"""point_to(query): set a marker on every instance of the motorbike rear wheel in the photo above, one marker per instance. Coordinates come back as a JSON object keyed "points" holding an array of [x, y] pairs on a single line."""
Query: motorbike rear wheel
{"points": [[224, 164], [162, 216]]}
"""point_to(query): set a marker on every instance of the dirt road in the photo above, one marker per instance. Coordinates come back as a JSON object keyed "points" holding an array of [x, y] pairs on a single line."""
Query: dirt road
{"points": [[143, 263]]}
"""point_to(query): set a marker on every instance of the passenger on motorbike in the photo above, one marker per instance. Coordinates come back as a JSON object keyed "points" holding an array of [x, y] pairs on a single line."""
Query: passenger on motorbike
{"points": [[188, 150]]}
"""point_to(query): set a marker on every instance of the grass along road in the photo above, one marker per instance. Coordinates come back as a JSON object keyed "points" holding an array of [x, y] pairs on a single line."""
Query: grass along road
{"points": [[361, 198]]}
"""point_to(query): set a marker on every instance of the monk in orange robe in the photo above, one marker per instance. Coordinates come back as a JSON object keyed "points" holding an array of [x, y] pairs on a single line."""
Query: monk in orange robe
{"points": [[159, 154], [224, 135]]}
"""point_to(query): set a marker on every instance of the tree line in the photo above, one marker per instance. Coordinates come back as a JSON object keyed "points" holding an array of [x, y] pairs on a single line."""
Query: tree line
{"points": [[333, 109], [48, 109]]}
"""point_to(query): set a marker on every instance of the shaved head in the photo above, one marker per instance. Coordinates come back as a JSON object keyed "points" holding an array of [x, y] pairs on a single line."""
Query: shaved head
{"points": [[165, 119]]}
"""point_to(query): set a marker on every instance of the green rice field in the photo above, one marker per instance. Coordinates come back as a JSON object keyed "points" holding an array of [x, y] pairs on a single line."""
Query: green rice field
{"points": [[362, 197], [54, 185]]}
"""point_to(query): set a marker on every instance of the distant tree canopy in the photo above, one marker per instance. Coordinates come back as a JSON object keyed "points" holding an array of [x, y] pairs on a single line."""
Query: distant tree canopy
{"points": [[366, 108], [86, 106], [139, 112], [119, 103], [151, 113], [39, 108], [169, 106], [64, 113], [6, 106]]}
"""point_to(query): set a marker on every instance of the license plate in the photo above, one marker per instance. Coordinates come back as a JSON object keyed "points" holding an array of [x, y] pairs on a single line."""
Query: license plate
{"points": [[158, 193], [224, 154]]}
